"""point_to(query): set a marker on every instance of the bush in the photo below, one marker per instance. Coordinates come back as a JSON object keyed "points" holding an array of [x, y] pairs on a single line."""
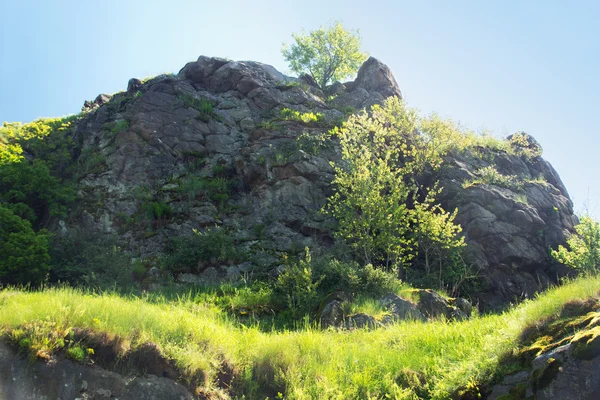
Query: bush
{"points": [[84, 258], [200, 250], [584, 248], [23, 253], [298, 287]]}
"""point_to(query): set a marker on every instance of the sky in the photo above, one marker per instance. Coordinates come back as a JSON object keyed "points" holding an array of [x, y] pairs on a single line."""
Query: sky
{"points": [[504, 66]]}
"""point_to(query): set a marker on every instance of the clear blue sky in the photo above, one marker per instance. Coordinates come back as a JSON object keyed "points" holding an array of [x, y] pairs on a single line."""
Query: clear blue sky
{"points": [[501, 65]]}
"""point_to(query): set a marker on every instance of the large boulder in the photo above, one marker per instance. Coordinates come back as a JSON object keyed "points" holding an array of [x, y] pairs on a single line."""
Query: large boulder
{"points": [[400, 308], [375, 76]]}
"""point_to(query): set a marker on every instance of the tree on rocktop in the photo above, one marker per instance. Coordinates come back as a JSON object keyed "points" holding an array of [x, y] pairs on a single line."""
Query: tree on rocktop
{"points": [[327, 54]]}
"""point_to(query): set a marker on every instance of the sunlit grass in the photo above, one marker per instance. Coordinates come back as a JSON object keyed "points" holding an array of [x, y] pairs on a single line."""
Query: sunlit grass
{"points": [[306, 363]]}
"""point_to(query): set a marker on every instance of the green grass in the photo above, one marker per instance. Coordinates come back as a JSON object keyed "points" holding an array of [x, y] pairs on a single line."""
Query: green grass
{"points": [[301, 364]]}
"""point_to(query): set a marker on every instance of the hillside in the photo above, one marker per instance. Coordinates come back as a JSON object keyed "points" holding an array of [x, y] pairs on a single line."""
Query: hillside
{"points": [[215, 357], [243, 148], [196, 234]]}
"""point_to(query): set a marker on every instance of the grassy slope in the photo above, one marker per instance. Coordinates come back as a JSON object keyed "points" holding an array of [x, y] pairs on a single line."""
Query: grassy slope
{"points": [[434, 358]]}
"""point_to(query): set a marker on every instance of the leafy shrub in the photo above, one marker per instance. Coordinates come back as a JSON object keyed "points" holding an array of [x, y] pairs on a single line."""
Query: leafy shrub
{"points": [[195, 252], [378, 202], [23, 253], [34, 190], [298, 287], [524, 145], [84, 258], [314, 143], [76, 353], [584, 248]]}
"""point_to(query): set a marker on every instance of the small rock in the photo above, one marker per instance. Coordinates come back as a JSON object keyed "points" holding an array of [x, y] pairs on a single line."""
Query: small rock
{"points": [[400, 308], [332, 315]]}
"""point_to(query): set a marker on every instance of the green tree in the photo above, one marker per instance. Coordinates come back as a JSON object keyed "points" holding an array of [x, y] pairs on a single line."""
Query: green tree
{"points": [[584, 248], [23, 252], [383, 212], [327, 54]]}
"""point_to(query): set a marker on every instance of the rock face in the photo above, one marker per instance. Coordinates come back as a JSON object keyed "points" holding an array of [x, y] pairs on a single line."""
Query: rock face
{"points": [[208, 147], [557, 374], [22, 380], [509, 230]]}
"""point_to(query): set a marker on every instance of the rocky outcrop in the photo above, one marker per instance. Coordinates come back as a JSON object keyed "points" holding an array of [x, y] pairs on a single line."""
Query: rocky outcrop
{"points": [[209, 147], [509, 230], [21, 379], [564, 366]]}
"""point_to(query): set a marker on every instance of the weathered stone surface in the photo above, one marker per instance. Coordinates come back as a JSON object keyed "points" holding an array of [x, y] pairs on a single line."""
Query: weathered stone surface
{"points": [[432, 305], [64, 379], [162, 137], [463, 305], [375, 76], [133, 86], [400, 308], [332, 315], [508, 231]]}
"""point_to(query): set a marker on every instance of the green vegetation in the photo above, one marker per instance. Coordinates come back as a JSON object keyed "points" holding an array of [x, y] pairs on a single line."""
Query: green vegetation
{"points": [[327, 54], [204, 106], [378, 179], [85, 258], [584, 248], [407, 360], [309, 118], [490, 176], [31, 192], [217, 189], [23, 252], [201, 250]]}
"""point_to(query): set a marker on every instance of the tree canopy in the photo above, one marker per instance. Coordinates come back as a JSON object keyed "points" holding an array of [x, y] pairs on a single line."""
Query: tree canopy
{"points": [[327, 54]]}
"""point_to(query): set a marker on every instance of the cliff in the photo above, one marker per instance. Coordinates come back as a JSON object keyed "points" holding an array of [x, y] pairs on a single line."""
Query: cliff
{"points": [[215, 145]]}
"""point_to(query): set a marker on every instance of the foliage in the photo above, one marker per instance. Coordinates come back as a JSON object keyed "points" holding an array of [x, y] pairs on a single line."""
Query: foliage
{"points": [[327, 54], [157, 211], [378, 198], [314, 144], [524, 145], [437, 237], [204, 106], [33, 189], [195, 252], [217, 189], [84, 258], [23, 252], [351, 277], [490, 176], [298, 286], [119, 126], [584, 248], [309, 118]]}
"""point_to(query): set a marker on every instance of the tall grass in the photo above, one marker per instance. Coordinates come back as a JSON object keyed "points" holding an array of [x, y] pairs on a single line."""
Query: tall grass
{"points": [[306, 363]]}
